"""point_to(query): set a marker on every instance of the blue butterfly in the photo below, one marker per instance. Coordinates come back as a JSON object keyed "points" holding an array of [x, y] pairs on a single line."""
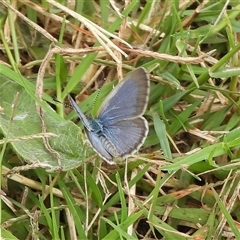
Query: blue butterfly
{"points": [[120, 129]]}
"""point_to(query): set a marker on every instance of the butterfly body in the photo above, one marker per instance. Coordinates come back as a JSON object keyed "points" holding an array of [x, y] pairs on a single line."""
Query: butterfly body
{"points": [[120, 129], [96, 125]]}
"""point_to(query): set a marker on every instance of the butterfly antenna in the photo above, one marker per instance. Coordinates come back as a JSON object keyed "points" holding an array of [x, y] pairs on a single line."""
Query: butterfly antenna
{"points": [[64, 104]]}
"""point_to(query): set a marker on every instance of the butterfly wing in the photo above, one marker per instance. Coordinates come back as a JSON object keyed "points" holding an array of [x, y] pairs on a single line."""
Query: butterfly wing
{"points": [[102, 146], [128, 99], [127, 136], [82, 117], [121, 139]]}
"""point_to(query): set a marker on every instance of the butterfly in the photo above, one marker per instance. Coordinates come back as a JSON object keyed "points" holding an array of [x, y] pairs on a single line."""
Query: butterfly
{"points": [[119, 129]]}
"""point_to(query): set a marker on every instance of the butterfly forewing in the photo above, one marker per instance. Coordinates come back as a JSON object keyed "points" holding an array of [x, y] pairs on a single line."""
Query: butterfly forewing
{"points": [[80, 114], [128, 99]]}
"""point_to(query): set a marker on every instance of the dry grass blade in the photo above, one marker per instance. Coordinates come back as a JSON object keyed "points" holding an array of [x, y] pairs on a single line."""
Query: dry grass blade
{"points": [[96, 30], [28, 21]]}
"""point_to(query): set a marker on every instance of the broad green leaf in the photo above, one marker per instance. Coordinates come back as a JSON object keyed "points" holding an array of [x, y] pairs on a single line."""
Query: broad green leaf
{"points": [[26, 123]]}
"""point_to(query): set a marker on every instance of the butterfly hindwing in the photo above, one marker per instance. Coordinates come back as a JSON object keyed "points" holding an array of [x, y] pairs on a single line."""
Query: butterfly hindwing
{"points": [[127, 135], [102, 146]]}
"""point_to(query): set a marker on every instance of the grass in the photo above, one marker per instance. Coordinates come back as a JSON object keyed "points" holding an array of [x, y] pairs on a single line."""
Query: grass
{"points": [[183, 183]]}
